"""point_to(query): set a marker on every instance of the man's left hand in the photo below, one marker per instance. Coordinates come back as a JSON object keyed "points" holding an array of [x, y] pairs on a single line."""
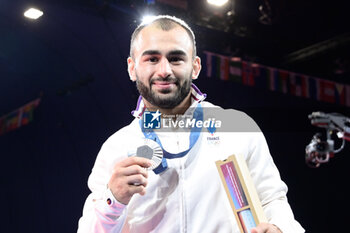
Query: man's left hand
{"points": [[266, 228]]}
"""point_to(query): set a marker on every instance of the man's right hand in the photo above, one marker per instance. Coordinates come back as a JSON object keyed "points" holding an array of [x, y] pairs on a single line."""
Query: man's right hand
{"points": [[125, 175]]}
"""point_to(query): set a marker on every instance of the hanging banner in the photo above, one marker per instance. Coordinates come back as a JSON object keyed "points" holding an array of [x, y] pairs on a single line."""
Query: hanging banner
{"points": [[256, 75], [19, 117]]}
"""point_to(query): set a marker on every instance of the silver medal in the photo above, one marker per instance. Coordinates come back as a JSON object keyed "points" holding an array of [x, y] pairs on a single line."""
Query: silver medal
{"points": [[149, 150]]}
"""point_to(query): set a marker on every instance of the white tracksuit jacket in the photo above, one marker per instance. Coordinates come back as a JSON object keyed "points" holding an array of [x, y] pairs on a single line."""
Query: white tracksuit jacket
{"points": [[188, 196]]}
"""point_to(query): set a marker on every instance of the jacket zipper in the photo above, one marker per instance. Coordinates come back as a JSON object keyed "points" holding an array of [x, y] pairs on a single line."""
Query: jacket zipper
{"points": [[183, 197]]}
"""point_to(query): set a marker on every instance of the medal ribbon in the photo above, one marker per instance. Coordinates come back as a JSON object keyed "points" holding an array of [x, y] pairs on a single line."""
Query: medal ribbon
{"points": [[194, 135]]}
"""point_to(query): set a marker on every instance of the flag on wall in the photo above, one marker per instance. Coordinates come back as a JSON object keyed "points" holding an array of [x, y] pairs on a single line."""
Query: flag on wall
{"points": [[298, 85], [247, 74], [252, 74], [327, 92], [340, 94], [261, 76], [19, 117], [235, 69], [314, 87], [224, 67]]}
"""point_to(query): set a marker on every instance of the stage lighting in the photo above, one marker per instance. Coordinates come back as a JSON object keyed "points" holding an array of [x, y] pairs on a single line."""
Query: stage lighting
{"points": [[217, 2], [33, 13], [147, 19]]}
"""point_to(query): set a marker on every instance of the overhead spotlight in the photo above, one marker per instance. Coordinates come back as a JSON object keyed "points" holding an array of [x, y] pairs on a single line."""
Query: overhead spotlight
{"points": [[33, 13], [147, 19], [217, 2]]}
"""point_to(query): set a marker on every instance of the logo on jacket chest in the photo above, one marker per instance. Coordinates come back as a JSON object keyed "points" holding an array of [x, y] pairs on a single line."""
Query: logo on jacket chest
{"points": [[213, 138]]}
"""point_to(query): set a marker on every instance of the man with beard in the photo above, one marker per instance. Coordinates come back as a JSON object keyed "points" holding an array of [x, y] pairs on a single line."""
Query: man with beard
{"points": [[183, 194]]}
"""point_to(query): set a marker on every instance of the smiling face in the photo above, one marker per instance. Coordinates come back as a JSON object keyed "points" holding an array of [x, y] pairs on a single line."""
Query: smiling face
{"points": [[162, 65]]}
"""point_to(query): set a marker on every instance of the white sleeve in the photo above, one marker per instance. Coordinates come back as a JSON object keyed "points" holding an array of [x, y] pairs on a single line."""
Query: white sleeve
{"points": [[271, 189], [99, 216], [102, 212]]}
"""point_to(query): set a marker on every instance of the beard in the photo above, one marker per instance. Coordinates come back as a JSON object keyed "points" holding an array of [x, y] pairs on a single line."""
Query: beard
{"points": [[169, 100]]}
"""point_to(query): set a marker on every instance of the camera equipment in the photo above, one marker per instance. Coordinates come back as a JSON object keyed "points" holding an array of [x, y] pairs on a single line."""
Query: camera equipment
{"points": [[320, 151]]}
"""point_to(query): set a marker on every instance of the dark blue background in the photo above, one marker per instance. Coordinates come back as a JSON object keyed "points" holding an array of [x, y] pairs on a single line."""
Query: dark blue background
{"points": [[74, 57]]}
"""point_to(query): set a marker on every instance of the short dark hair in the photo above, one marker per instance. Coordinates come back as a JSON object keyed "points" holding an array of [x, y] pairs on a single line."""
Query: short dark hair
{"points": [[166, 23]]}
